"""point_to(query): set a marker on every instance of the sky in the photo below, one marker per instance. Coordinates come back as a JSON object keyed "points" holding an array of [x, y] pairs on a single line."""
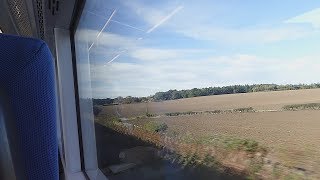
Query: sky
{"points": [[140, 47]]}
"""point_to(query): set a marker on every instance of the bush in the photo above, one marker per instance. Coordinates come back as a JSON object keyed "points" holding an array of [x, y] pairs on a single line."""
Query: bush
{"points": [[238, 110], [96, 110], [246, 109], [156, 127], [173, 114], [214, 111], [181, 113], [242, 144], [115, 119], [309, 106], [150, 115], [162, 127], [172, 133], [210, 161], [109, 121]]}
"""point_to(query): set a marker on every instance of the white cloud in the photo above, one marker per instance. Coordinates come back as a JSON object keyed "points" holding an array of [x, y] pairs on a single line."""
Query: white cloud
{"points": [[201, 26], [243, 36], [106, 39], [154, 54], [150, 14], [109, 45], [115, 40], [147, 78], [164, 19], [112, 46], [157, 54], [155, 69], [311, 17]]}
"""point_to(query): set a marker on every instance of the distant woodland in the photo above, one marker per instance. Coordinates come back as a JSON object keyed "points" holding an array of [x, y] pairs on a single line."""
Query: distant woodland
{"points": [[209, 91]]}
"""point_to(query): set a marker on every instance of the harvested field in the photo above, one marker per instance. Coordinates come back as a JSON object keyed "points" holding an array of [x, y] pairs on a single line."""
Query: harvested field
{"points": [[260, 101], [292, 137]]}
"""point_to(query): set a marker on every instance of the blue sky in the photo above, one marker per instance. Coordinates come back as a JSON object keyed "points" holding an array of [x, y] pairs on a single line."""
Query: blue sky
{"points": [[150, 46]]}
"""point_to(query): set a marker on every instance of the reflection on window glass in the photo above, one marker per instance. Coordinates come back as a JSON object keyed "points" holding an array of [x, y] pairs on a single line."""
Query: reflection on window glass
{"points": [[204, 89]]}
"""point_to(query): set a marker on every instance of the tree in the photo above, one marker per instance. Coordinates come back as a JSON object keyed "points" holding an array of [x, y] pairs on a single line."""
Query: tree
{"points": [[195, 92]]}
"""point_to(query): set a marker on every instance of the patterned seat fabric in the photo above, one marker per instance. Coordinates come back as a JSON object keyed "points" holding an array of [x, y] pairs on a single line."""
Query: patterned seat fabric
{"points": [[28, 82]]}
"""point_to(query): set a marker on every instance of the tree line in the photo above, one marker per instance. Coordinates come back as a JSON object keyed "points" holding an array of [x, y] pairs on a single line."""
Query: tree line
{"points": [[209, 91]]}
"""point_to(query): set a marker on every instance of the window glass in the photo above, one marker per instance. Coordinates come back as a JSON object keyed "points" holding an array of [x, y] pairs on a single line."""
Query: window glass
{"points": [[183, 89]]}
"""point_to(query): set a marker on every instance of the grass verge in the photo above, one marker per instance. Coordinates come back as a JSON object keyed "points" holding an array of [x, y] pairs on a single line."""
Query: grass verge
{"points": [[216, 152]]}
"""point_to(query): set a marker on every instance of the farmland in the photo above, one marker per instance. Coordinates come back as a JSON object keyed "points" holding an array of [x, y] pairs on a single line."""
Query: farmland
{"points": [[274, 100], [291, 137]]}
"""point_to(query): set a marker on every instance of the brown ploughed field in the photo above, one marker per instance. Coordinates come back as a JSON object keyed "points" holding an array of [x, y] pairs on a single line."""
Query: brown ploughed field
{"points": [[292, 137], [274, 100]]}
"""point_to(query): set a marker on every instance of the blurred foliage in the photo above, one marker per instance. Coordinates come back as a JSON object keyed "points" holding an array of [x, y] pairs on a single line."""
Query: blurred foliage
{"points": [[156, 127]]}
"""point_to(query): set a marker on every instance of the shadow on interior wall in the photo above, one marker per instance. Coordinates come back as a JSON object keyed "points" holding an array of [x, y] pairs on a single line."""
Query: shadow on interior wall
{"points": [[111, 143]]}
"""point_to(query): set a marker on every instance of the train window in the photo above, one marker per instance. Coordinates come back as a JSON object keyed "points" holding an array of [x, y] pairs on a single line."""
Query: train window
{"points": [[201, 89]]}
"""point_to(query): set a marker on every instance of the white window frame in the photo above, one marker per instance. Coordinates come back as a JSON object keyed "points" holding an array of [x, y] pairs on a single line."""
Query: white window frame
{"points": [[70, 148]]}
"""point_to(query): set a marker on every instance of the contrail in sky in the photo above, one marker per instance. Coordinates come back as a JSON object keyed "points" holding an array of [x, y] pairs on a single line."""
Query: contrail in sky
{"points": [[149, 31], [127, 25], [165, 19], [103, 17], [105, 25], [114, 58]]}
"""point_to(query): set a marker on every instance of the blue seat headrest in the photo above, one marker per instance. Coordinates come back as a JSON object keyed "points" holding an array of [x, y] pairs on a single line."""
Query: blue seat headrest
{"points": [[27, 80]]}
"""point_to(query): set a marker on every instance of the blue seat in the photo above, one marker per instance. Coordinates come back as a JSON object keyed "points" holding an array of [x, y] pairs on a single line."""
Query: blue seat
{"points": [[27, 82]]}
